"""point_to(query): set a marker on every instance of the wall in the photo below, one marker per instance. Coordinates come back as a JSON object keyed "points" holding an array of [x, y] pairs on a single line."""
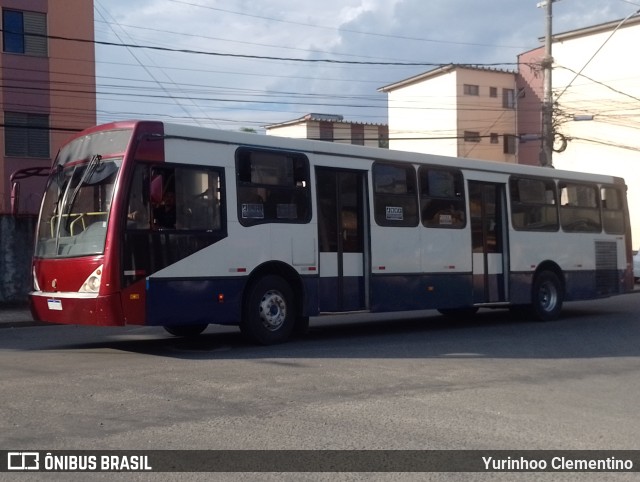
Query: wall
{"points": [[485, 114], [607, 89], [298, 131], [424, 109], [530, 83], [16, 249]]}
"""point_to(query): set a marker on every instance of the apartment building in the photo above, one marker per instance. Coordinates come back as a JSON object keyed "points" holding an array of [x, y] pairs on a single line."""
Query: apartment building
{"points": [[596, 93], [332, 128], [48, 88], [455, 111]]}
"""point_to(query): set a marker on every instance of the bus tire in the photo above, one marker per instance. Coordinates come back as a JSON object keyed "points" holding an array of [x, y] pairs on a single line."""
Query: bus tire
{"points": [[186, 330], [269, 312], [546, 296]]}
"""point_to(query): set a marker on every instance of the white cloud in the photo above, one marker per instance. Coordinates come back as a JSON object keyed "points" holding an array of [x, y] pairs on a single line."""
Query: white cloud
{"points": [[233, 92]]}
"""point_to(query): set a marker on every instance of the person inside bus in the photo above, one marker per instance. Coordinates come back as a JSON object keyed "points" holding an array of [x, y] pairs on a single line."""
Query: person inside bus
{"points": [[138, 210], [164, 215], [137, 217]]}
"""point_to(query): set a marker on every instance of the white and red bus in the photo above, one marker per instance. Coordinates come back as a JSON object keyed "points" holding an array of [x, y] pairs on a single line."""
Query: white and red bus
{"points": [[150, 223]]}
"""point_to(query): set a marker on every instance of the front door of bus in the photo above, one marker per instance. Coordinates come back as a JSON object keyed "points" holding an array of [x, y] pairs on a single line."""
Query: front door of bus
{"points": [[488, 240], [342, 224]]}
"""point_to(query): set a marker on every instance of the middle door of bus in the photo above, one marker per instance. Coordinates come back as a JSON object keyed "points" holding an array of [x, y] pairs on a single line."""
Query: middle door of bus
{"points": [[342, 228], [489, 241]]}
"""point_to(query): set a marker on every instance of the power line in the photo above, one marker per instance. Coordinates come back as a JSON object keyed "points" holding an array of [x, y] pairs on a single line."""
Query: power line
{"points": [[597, 51], [260, 57]]}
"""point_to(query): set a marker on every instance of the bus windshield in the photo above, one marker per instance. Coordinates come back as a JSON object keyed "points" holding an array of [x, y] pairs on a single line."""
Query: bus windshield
{"points": [[77, 200]]}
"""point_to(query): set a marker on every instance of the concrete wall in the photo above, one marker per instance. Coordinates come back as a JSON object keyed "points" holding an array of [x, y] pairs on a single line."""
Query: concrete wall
{"points": [[310, 129], [298, 131], [530, 84], [16, 248], [425, 110], [607, 91], [485, 114]]}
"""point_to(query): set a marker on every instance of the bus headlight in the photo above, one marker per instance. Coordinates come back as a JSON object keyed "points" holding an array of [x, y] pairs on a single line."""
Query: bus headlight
{"points": [[92, 283]]}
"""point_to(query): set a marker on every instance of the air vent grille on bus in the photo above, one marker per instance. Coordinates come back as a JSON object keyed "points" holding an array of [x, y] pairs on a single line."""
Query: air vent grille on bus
{"points": [[606, 267]]}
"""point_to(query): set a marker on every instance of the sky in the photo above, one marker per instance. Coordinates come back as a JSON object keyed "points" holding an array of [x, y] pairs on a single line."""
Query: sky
{"points": [[244, 64]]}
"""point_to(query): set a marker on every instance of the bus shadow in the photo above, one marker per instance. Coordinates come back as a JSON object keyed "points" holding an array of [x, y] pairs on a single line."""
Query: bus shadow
{"points": [[580, 333]]}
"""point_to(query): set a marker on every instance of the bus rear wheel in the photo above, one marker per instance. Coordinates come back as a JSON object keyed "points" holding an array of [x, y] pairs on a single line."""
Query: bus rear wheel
{"points": [[268, 316], [186, 330], [547, 296]]}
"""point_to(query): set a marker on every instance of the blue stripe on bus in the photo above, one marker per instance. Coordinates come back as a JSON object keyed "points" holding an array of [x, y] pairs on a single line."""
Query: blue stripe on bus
{"points": [[184, 302], [188, 302], [420, 292]]}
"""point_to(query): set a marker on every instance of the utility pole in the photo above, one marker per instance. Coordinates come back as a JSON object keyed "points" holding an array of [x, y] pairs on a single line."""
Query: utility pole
{"points": [[546, 152]]}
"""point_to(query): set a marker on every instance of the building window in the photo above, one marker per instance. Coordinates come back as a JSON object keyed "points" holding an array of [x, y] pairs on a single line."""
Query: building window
{"points": [[470, 89], [326, 131], [357, 134], [26, 135], [508, 98], [494, 138], [509, 144], [471, 136], [493, 92], [24, 32]]}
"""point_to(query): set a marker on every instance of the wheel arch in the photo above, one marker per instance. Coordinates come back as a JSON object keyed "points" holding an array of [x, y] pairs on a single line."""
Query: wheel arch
{"points": [[286, 272]]}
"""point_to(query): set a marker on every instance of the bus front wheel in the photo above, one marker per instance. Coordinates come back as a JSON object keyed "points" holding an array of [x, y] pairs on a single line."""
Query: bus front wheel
{"points": [[268, 316], [547, 296]]}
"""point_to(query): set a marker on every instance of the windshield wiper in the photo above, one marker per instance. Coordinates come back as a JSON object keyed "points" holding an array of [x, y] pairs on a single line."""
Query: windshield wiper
{"points": [[92, 165]]}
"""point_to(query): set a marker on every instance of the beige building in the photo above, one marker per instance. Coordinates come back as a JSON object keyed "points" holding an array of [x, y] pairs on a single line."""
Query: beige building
{"points": [[333, 128], [455, 111]]}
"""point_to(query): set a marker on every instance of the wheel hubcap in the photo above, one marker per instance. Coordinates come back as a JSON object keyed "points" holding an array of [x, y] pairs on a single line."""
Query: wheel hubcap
{"points": [[273, 310], [548, 296]]}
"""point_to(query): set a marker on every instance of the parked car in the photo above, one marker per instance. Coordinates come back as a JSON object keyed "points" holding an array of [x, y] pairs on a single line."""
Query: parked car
{"points": [[636, 266]]}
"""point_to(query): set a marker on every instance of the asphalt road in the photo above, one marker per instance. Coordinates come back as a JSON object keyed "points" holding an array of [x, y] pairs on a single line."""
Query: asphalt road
{"points": [[493, 382]]}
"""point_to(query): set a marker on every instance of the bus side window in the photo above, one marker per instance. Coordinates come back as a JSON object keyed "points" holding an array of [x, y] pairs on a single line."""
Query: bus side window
{"points": [[138, 206], [198, 199], [163, 198], [395, 195], [442, 203], [533, 204], [175, 198], [273, 186], [580, 208], [612, 210]]}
